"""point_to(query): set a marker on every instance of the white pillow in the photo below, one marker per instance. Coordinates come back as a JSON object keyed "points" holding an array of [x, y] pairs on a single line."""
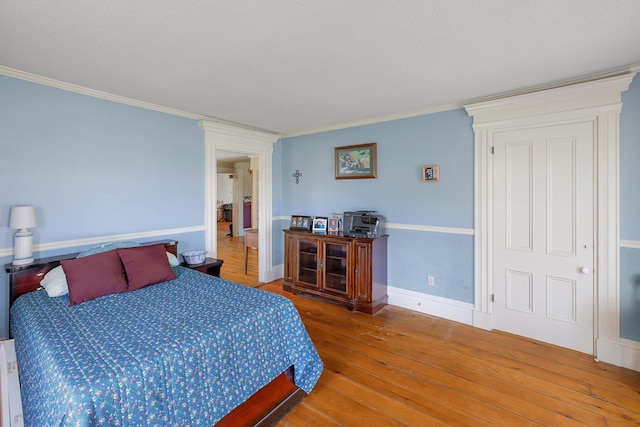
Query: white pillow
{"points": [[55, 282], [173, 261]]}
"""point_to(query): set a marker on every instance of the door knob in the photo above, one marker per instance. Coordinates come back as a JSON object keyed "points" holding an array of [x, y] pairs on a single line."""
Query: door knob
{"points": [[585, 270]]}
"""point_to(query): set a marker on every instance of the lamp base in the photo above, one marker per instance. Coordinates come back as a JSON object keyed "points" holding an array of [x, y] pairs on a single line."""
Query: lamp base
{"points": [[22, 247], [23, 261]]}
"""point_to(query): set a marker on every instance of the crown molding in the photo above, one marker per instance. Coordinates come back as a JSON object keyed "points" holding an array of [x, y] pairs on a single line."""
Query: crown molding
{"points": [[375, 120], [631, 70], [23, 75]]}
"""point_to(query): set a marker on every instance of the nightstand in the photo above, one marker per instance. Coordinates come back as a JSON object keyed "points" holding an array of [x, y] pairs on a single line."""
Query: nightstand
{"points": [[210, 266]]}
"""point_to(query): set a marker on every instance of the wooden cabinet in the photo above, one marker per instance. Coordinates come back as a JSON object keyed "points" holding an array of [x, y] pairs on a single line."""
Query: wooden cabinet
{"points": [[346, 270]]}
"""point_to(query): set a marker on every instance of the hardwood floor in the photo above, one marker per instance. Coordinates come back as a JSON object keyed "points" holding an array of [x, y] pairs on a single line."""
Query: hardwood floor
{"points": [[405, 368], [401, 367], [231, 251]]}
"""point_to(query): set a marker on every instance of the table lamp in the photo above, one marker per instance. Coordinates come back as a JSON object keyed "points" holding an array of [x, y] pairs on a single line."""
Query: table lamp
{"points": [[22, 218]]}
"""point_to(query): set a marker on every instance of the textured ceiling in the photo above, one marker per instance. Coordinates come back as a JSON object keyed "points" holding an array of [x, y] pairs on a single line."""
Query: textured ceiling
{"points": [[290, 65]]}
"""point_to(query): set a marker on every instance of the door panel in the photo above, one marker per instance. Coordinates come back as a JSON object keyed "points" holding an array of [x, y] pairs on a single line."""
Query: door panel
{"points": [[561, 196], [543, 234], [519, 288], [519, 195]]}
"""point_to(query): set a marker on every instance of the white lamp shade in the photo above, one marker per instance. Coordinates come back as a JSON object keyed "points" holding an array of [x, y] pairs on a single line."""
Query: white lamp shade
{"points": [[22, 217]]}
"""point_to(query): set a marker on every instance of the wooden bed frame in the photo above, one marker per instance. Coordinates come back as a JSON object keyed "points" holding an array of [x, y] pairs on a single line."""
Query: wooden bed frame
{"points": [[264, 408]]}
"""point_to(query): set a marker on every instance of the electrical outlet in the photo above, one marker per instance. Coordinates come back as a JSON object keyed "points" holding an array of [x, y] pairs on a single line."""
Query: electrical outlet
{"points": [[431, 281]]}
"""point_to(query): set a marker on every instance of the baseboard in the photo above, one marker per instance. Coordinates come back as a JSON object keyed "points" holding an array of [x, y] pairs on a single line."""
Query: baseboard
{"points": [[630, 354], [429, 304], [625, 353], [482, 320], [276, 272]]}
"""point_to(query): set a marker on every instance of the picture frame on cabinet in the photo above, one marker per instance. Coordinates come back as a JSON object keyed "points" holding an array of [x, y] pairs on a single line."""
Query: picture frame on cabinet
{"points": [[320, 225], [340, 217], [300, 223], [356, 161], [332, 225]]}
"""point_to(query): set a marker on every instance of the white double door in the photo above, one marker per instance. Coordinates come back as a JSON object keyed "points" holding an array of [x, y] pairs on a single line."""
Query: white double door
{"points": [[543, 243]]}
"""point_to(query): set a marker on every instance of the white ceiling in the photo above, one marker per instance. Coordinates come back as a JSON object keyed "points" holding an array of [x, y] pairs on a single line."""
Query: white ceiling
{"points": [[291, 66]]}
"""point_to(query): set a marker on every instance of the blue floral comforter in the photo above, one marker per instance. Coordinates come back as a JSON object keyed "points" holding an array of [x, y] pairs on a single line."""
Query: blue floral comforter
{"points": [[183, 352]]}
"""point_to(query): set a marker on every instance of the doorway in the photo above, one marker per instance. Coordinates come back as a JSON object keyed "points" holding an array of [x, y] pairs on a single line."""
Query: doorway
{"points": [[259, 146], [598, 103], [235, 195], [543, 234]]}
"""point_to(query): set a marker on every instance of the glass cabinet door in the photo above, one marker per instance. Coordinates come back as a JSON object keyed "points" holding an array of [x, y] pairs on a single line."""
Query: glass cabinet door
{"points": [[336, 267], [307, 269]]}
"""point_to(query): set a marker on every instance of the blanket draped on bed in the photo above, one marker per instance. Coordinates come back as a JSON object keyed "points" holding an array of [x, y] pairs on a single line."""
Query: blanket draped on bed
{"points": [[183, 352]]}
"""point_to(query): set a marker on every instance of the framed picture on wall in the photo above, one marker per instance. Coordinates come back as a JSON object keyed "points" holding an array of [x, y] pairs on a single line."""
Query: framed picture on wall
{"points": [[431, 173], [355, 161]]}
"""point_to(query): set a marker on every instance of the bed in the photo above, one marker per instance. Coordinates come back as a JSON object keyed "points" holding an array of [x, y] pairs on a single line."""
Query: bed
{"points": [[193, 350]]}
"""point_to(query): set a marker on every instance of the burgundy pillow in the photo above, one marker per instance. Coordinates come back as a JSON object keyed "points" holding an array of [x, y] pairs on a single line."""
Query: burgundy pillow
{"points": [[146, 265], [94, 276]]}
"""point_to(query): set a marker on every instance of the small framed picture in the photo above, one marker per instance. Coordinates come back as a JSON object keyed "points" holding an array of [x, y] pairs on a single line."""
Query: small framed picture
{"points": [[300, 222], [319, 225], [333, 225], [431, 173], [339, 216]]}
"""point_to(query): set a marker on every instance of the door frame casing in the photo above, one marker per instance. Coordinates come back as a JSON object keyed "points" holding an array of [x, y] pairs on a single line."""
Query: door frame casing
{"points": [[598, 102], [254, 143]]}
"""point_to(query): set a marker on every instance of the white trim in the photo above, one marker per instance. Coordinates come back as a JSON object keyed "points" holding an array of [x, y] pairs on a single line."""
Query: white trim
{"points": [[630, 354], [553, 103], [622, 352], [22, 75], [63, 244], [276, 272], [431, 228], [220, 136], [430, 304], [598, 101], [411, 227], [129, 101], [630, 244], [543, 88], [374, 120]]}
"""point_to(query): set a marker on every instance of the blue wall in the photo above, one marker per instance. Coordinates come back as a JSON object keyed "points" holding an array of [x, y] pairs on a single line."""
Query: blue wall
{"points": [[95, 168], [398, 193], [630, 212]]}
